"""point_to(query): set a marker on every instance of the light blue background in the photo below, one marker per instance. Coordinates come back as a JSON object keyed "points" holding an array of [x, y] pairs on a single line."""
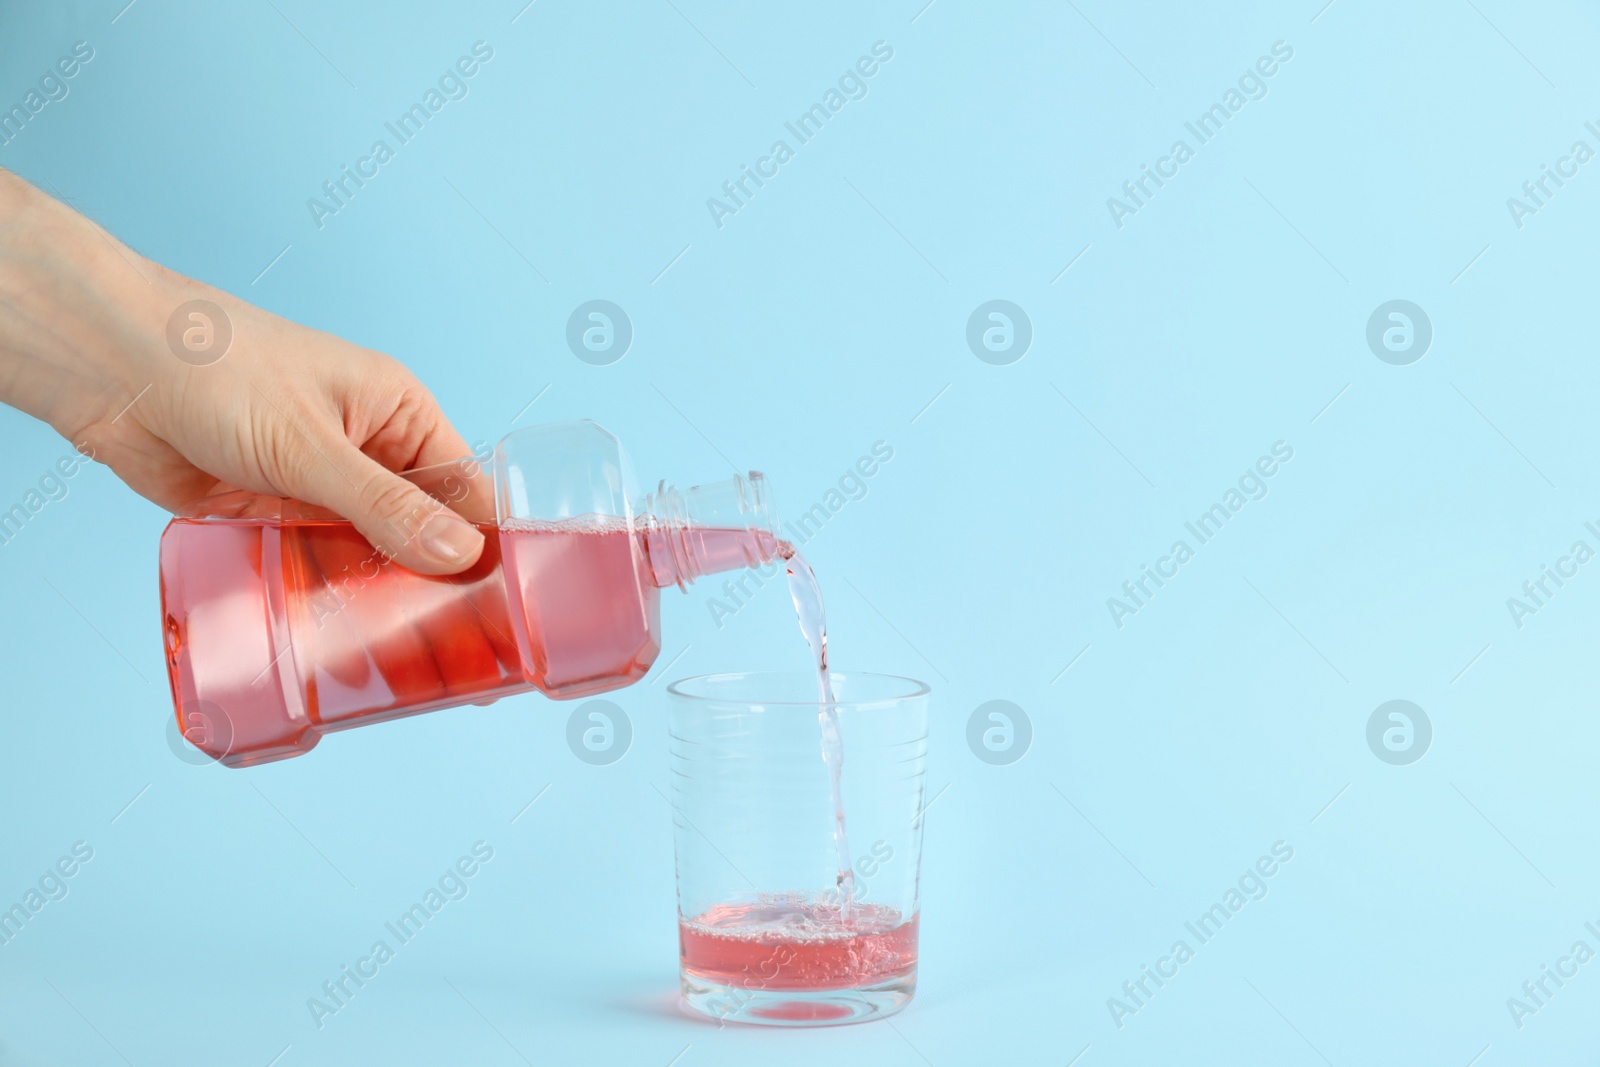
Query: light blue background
{"points": [[1223, 717]]}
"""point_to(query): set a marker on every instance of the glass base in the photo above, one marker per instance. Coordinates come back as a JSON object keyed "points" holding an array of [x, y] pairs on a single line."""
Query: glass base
{"points": [[798, 1007]]}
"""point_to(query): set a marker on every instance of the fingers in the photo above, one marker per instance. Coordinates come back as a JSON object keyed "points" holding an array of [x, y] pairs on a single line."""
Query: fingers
{"points": [[333, 561], [398, 517], [418, 439], [472, 494], [457, 478], [461, 483], [442, 444]]}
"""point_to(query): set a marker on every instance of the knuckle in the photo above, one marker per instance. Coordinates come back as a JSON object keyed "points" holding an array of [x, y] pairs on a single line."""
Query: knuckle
{"points": [[398, 509], [386, 497], [391, 372]]}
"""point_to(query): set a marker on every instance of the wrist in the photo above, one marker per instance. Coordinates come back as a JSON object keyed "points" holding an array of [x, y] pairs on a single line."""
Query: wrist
{"points": [[79, 318]]}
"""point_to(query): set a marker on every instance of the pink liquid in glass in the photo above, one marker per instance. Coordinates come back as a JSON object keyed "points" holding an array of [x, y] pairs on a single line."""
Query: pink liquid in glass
{"points": [[798, 945]]}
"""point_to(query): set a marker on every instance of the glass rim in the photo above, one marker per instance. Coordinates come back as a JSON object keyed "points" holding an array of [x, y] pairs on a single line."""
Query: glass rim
{"points": [[912, 689]]}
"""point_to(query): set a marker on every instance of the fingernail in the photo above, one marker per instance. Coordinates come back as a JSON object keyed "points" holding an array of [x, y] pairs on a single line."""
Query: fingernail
{"points": [[448, 539]]}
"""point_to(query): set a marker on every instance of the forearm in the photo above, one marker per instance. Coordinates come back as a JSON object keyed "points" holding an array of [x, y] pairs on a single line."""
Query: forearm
{"points": [[79, 312]]}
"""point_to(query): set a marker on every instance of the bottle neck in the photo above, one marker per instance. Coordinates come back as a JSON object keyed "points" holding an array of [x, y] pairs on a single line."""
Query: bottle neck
{"points": [[707, 529]]}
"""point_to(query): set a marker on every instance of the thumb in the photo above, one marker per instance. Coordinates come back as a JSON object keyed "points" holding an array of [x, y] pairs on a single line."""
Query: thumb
{"points": [[399, 519]]}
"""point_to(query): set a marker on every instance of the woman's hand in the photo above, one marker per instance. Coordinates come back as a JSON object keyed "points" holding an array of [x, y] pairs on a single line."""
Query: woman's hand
{"points": [[183, 390]]}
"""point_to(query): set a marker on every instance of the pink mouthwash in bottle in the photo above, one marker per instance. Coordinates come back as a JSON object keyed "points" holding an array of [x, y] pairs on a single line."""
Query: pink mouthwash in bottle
{"points": [[282, 623]]}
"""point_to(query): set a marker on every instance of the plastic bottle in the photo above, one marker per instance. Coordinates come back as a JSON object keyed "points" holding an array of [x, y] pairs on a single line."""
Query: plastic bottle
{"points": [[282, 623]]}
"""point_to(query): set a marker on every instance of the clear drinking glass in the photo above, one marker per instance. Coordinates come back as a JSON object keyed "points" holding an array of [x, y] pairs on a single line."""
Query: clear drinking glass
{"points": [[766, 932]]}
